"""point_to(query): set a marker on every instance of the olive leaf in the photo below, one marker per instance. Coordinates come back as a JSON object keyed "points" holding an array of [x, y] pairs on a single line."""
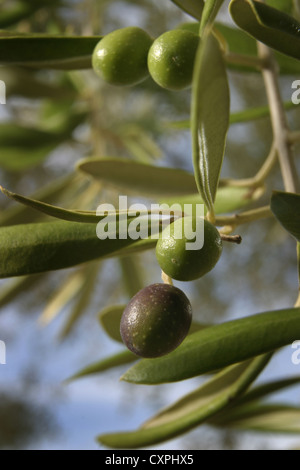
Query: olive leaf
{"points": [[209, 118], [68, 214], [191, 410], [219, 346], [192, 7], [268, 25], [54, 211], [286, 208], [138, 178], [41, 247], [116, 360], [279, 418], [110, 318], [27, 212], [266, 389], [47, 51]]}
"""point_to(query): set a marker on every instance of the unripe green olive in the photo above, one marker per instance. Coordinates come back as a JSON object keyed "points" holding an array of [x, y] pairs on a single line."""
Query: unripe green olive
{"points": [[156, 320], [171, 59], [120, 57], [184, 264]]}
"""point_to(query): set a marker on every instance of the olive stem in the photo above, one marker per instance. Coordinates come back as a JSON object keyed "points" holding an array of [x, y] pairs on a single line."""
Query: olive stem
{"points": [[166, 279], [243, 59], [231, 238], [278, 119], [245, 217]]}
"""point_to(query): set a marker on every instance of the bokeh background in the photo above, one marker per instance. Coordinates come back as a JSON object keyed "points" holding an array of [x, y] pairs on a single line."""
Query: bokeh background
{"points": [[38, 410]]}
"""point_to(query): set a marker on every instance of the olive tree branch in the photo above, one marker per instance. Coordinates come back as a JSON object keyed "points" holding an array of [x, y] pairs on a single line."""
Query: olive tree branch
{"points": [[278, 119]]}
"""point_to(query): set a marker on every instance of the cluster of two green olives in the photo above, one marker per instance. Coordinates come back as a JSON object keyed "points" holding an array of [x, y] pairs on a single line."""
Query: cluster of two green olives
{"points": [[127, 56], [158, 317]]}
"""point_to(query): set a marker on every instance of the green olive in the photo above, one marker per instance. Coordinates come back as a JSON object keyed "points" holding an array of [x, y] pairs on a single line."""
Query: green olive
{"points": [[171, 59], [173, 251], [156, 320], [120, 58]]}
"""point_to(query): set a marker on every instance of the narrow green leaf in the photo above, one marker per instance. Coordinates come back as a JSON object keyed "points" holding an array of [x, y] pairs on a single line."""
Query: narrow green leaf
{"points": [[268, 25], [110, 318], [266, 389], [54, 211], [276, 418], [19, 214], [67, 214], [193, 409], [116, 360], [40, 247], [138, 178], [220, 346], [209, 118], [46, 51], [192, 7], [221, 384], [286, 208]]}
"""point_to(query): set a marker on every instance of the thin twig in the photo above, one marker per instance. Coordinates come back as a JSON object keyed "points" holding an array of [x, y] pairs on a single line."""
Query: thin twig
{"points": [[278, 120]]}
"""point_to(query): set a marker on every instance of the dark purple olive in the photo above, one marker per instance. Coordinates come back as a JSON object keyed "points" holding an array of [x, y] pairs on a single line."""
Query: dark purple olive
{"points": [[156, 320]]}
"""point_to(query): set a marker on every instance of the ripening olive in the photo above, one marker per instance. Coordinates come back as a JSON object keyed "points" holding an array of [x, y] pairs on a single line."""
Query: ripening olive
{"points": [[174, 253], [120, 57], [171, 59], [156, 320]]}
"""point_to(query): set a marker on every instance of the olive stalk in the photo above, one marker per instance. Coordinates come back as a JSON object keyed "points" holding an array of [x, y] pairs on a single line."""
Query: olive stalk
{"points": [[244, 217], [278, 119], [243, 59]]}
